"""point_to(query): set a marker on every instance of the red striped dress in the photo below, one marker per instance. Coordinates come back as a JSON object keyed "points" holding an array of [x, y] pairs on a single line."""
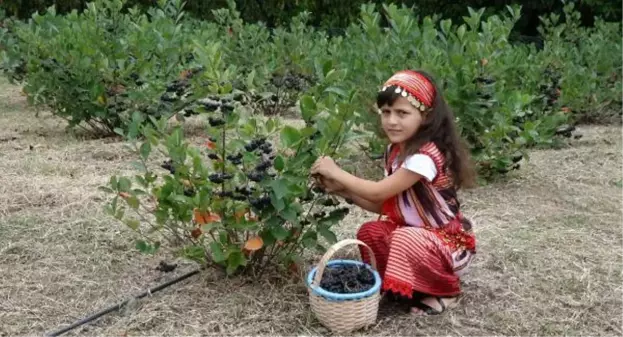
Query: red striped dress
{"points": [[421, 247]]}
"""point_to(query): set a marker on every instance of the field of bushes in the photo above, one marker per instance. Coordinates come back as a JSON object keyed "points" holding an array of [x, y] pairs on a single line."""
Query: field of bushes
{"points": [[152, 131], [241, 198]]}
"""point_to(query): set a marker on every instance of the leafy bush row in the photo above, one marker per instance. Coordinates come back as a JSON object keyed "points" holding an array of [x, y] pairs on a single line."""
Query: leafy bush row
{"points": [[101, 67]]}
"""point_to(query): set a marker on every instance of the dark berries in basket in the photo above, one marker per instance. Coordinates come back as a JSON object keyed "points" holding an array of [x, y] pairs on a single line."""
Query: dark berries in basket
{"points": [[347, 279]]}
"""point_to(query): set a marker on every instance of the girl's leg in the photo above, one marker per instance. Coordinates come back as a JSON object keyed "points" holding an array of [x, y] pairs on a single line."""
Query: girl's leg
{"points": [[376, 234], [419, 262]]}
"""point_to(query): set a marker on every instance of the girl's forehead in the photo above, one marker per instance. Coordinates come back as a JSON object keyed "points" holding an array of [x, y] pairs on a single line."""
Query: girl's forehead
{"points": [[400, 103]]}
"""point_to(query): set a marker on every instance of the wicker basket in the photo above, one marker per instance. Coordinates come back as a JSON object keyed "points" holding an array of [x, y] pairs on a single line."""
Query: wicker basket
{"points": [[343, 313]]}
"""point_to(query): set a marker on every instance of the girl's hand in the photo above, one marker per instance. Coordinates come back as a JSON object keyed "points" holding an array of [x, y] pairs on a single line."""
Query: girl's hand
{"points": [[331, 185], [326, 167]]}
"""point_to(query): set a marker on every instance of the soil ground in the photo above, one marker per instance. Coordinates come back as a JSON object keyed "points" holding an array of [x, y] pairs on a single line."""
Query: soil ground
{"points": [[549, 249]]}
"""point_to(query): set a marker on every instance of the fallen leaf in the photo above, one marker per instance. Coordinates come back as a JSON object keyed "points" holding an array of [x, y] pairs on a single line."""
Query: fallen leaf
{"points": [[254, 243], [124, 195]]}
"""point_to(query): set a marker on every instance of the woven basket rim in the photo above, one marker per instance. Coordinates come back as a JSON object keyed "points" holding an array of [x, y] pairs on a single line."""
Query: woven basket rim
{"points": [[317, 290]]}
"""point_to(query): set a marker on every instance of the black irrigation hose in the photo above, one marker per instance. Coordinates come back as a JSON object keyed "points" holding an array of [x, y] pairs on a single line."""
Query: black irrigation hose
{"points": [[120, 305]]}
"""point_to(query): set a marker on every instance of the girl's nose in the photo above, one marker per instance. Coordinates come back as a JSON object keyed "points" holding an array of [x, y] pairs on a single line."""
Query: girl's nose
{"points": [[392, 118]]}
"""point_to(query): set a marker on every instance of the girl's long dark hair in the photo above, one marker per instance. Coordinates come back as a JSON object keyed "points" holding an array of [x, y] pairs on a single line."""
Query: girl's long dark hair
{"points": [[438, 127]]}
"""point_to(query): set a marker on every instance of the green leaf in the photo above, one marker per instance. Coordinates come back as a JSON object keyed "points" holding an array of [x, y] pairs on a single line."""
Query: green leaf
{"points": [[339, 91], [279, 232], [194, 253], [290, 214], [279, 163], [310, 238], [133, 202], [124, 184], [278, 203], [105, 189], [461, 32], [217, 253], [289, 136], [235, 260], [147, 248], [327, 67], [120, 213], [308, 107], [114, 183], [141, 181], [327, 234], [145, 150], [270, 125], [279, 187], [132, 223]]}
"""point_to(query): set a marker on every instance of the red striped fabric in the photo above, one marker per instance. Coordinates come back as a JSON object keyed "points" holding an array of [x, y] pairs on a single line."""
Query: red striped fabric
{"points": [[410, 259]]}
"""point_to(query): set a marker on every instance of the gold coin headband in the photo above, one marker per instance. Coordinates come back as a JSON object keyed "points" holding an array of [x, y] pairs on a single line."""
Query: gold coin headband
{"points": [[416, 88]]}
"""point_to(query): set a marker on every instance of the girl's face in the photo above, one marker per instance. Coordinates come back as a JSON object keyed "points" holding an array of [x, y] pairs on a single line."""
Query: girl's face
{"points": [[401, 120]]}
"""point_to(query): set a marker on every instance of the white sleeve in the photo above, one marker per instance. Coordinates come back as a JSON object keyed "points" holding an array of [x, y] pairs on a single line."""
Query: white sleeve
{"points": [[421, 164]]}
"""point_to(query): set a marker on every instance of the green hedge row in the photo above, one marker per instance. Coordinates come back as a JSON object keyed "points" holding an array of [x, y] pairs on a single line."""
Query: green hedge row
{"points": [[507, 96], [339, 14]]}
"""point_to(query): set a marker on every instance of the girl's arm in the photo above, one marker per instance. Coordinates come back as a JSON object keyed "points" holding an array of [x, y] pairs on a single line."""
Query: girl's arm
{"points": [[334, 187], [376, 191], [368, 205]]}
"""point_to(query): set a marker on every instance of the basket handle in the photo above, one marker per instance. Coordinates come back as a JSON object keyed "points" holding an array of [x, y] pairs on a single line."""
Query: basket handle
{"points": [[332, 250]]}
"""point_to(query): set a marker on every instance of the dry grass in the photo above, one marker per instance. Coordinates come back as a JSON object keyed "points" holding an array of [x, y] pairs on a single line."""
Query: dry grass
{"points": [[549, 258]]}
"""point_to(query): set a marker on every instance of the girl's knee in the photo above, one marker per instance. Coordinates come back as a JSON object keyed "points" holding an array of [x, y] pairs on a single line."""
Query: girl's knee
{"points": [[406, 234], [370, 230]]}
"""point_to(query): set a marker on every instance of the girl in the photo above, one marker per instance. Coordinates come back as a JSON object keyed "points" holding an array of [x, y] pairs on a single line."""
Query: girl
{"points": [[421, 241]]}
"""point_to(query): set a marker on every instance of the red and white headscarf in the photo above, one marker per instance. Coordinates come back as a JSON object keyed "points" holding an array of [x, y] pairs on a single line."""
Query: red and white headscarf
{"points": [[415, 87]]}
